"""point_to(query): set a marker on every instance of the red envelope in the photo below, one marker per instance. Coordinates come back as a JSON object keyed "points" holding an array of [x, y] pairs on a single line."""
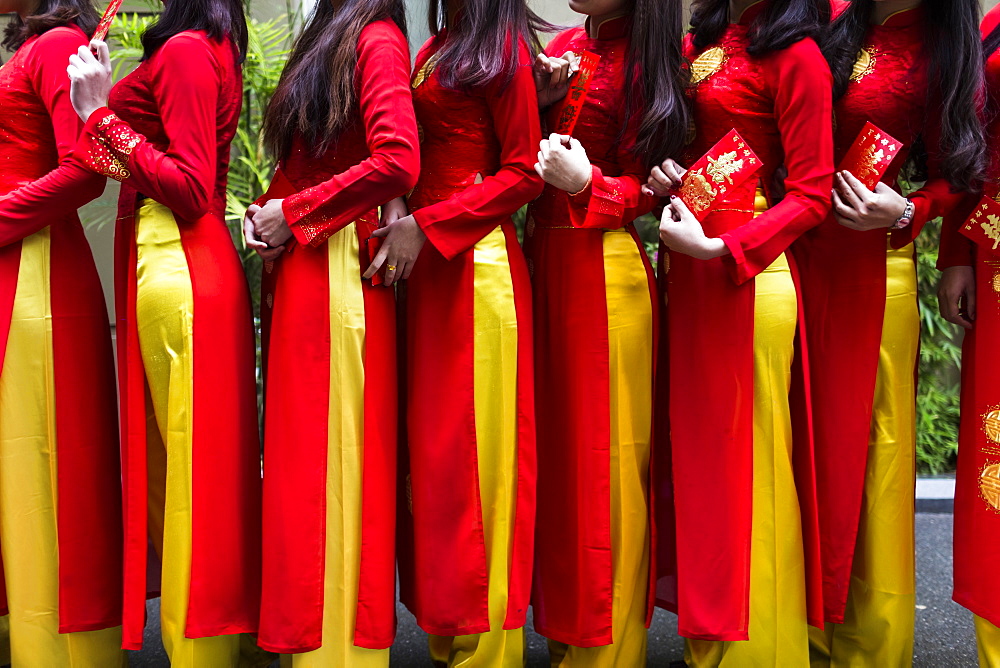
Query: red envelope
{"points": [[725, 167], [870, 155], [983, 226], [109, 16], [569, 109]]}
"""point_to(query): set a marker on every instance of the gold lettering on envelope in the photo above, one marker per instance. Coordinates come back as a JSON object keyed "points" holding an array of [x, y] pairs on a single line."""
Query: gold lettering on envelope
{"points": [[722, 168]]}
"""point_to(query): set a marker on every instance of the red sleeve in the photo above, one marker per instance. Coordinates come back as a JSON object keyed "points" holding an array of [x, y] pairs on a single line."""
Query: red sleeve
{"points": [[69, 186], [455, 225], [186, 85], [383, 76], [802, 87], [956, 249], [937, 197]]}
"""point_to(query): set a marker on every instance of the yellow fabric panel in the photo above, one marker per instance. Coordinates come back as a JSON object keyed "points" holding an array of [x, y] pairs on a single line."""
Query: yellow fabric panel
{"points": [[495, 389], [28, 487], [345, 459], [630, 366], [881, 604], [988, 643], [778, 627], [165, 317]]}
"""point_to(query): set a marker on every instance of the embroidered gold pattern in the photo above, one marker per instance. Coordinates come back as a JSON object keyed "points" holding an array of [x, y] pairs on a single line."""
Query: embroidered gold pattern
{"points": [[698, 191], [425, 72], [722, 168], [864, 65], [707, 64], [991, 424], [989, 486], [270, 301], [996, 282], [110, 149]]}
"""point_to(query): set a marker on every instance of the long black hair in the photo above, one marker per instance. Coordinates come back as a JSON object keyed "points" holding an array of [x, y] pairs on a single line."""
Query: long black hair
{"points": [[656, 80], [954, 50], [481, 48], [218, 18], [781, 24], [51, 14], [315, 96]]}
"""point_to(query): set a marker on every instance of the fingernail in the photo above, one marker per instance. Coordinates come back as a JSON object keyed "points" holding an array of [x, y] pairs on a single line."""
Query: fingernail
{"points": [[673, 197]]}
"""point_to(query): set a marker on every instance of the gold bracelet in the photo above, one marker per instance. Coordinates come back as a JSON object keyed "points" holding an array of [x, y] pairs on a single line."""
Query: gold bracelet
{"points": [[590, 181]]}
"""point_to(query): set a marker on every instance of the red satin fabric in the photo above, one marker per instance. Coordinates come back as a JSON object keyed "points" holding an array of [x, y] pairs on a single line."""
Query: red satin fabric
{"points": [[375, 159], [42, 187], [781, 104], [178, 113], [573, 587], [494, 134], [843, 286], [977, 540]]}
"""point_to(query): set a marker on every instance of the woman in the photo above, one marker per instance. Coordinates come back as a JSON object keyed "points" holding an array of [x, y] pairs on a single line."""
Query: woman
{"points": [[595, 309], [967, 296], [859, 291], [185, 337], [470, 404], [60, 503], [341, 125], [740, 587]]}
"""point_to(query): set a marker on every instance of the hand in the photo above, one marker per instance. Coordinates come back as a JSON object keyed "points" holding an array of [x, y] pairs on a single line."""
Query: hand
{"points": [[270, 225], [957, 296], [552, 76], [90, 79], [266, 253], [680, 231], [663, 179], [563, 163], [392, 211], [403, 241], [858, 208]]}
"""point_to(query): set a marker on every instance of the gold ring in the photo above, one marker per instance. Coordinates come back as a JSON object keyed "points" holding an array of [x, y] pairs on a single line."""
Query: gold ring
{"points": [[391, 267]]}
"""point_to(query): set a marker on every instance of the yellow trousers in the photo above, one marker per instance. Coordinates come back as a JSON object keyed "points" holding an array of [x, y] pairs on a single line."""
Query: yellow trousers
{"points": [[28, 469], [495, 389], [878, 625], [165, 316], [778, 627], [630, 366], [345, 457], [988, 643]]}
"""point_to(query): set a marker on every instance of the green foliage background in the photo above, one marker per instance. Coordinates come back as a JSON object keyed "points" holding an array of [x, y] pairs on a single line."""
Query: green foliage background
{"points": [[250, 172]]}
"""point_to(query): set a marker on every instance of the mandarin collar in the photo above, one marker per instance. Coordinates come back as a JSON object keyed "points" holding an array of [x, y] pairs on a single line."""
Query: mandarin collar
{"points": [[614, 27], [752, 12], [904, 17]]}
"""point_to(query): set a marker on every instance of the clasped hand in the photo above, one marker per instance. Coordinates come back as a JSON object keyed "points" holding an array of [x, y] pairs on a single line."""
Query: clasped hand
{"points": [[90, 78], [552, 76], [563, 163], [858, 208]]}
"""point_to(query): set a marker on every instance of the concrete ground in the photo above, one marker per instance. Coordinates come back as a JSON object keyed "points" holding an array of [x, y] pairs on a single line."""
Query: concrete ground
{"points": [[944, 635]]}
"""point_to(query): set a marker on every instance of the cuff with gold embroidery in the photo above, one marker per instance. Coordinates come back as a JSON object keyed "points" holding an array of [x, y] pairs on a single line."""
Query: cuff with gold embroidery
{"points": [[600, 205], [107, 143], [310, 225]]}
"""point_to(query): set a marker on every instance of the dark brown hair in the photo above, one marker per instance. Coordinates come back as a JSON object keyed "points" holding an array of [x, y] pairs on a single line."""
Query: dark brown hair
{"points": [[481, 48], [953, 48], [315, 97], [781, 24], [51, 14], [657, 80], [220, 19]]}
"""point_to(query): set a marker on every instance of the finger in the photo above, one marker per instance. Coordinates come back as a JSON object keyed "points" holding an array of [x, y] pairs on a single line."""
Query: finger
{"points": [[575, 145], [544, 149], [377, 262], [847, 194], [74, 74], [86, 56], [538, 170], [381, 232], [680, 208], [657, 179], [391, 270], [562, 141], [673, 172], [970, 303], [100, 47], [841, 210], [859, 189], [76, 61], [409, 269], [542, 63]]}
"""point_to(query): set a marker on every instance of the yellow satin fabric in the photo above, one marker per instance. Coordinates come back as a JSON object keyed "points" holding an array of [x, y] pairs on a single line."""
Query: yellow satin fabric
{"points": [[345, 459], [778, 627], [495, 389], [987, 643], [630, 366], [28, 483], [165, 317], [878, 625]]}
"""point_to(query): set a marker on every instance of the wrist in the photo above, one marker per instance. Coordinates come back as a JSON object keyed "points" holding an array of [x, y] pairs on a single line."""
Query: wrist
{"points": [[714, 247], [906, 217], [582, 185]]}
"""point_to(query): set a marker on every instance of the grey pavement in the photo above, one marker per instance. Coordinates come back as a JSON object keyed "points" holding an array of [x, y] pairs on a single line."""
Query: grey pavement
{"points": [[944, 634]]}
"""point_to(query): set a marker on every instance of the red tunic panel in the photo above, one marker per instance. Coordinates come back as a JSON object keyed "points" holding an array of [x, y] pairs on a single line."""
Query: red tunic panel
{"points": [[780, 104], [167, 137], [41, 186]]}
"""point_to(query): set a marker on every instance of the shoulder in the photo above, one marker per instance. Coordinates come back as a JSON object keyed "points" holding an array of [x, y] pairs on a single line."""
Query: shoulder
{"points": [[804, 53], [378, 35], [991, 21], [192, 51], [560, 42], [57, 44], [837, 7]]}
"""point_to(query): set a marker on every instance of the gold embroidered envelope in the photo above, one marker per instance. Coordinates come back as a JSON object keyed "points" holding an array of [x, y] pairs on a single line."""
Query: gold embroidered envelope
{"points": [[725, 167]]}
